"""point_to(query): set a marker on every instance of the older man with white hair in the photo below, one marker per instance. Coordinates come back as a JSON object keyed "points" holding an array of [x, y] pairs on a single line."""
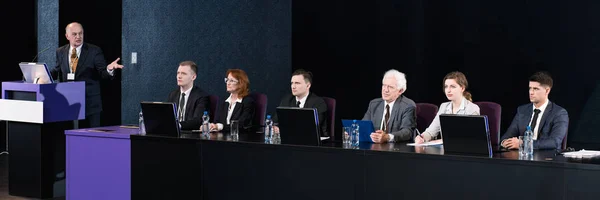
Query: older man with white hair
{"points": [[393, 115]]}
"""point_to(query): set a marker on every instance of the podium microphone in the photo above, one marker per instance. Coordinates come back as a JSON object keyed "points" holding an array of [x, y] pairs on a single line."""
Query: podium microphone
{"points": [[42, 51]]}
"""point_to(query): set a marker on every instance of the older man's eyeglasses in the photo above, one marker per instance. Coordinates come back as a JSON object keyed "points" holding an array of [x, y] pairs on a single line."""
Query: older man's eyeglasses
{"points": [[231, 81]]}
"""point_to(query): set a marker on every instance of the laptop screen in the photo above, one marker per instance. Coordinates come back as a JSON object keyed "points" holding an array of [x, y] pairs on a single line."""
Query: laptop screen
{"points": [[160, 119], [466, 134], [298, 125], [37, 73]]}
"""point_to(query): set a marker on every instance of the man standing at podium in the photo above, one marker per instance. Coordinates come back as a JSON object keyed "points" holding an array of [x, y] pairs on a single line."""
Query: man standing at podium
{"points": [[79, 61]]}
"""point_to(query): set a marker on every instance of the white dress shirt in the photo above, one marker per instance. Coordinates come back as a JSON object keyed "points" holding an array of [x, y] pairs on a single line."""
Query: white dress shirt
{"points": [[539, 119], [185, 100], [303, 100], [383, 118], [78, 49], [229, 111]]}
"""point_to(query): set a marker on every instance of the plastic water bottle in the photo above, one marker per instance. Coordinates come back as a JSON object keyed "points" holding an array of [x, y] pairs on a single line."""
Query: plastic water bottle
{"points": [[142, 127], [205, 123], [528, 141], [268, 129], [354, 138]]}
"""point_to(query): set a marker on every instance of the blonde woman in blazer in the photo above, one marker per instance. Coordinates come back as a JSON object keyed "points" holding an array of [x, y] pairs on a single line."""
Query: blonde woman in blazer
{"points": [[455, 85]]}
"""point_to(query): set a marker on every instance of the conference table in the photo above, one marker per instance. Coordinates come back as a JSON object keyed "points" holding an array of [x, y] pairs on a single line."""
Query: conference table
{"points": [[117, 162]]}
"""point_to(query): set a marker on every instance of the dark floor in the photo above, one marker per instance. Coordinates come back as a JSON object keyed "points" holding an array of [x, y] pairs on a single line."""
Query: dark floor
{"points": [[4, 181]]}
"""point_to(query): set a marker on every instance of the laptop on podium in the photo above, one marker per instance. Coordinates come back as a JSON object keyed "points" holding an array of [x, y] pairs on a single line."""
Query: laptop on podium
{"points": [[299, 126], [160, 119], [36, 73], [466, 135]]}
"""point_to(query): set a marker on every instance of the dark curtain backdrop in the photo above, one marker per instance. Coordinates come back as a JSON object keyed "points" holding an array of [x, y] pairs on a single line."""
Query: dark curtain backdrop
{"points": [[497, 44], [19, 40]]}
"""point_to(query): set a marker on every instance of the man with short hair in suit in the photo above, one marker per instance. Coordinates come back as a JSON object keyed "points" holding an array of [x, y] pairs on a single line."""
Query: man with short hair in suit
{"points": [[549, 122], [303, 98], [191, 101], [79, 61], [393, 115]]}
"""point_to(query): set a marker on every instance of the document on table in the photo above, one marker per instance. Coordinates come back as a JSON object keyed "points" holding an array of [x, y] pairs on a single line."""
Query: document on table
{"points": [[430, 143], [582, 154]]}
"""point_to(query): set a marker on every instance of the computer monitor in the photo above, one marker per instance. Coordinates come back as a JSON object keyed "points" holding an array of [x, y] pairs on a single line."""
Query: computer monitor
{"points": [[37, 73], [299, 125], [365, 128], [160, 119], [466, 135]]}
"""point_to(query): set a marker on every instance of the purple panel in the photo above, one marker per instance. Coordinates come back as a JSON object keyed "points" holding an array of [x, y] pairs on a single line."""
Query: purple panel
{"points": [[98, 167], [19, 86], [62, 101]]}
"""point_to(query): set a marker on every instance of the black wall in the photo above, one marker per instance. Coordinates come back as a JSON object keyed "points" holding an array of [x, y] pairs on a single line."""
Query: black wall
{"points": [[19, 42], [497, 44]]}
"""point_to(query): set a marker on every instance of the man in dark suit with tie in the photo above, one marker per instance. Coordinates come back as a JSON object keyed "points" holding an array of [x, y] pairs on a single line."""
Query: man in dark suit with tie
{"points": [[191, 101], [303, 98], [549, 122], [393, 115], [79, 61]]}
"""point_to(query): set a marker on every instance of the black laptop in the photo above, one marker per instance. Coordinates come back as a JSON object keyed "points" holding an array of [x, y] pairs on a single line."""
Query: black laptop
{"points": [[299, 125], [466, 135], [160, 119]]}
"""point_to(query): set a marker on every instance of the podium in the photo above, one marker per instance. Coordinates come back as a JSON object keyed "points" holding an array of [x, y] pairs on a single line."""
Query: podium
{"points": [[37, 116]]}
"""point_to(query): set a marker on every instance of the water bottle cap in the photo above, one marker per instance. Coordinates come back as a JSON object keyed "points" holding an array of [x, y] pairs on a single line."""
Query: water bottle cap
{"points": [[529, 128], [206, 112], [353, 121], [268, 116]]}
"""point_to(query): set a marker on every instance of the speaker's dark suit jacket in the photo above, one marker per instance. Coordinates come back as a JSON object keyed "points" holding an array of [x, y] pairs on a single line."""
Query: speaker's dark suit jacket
{"points": [[197, 103], [552, 128], [403, 118], [91, 67], [243, 112], [312, 101]]}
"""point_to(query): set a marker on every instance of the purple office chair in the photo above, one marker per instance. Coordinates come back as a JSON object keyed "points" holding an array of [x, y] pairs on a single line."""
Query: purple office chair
{"points": [[425, 114], [260, 103], [493, 112], [212, 110], [330, 116]]}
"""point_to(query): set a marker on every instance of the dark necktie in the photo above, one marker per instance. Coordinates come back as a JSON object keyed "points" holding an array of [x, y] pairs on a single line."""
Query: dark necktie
{"points": [[181, 102], [534, 120], [298, 104], [386, 118]]}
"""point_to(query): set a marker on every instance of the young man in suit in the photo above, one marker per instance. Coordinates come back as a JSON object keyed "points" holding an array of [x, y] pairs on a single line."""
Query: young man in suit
{"points": [[191, 101], [549, 122], [79, 61], [303, 98], [393, 115]]}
